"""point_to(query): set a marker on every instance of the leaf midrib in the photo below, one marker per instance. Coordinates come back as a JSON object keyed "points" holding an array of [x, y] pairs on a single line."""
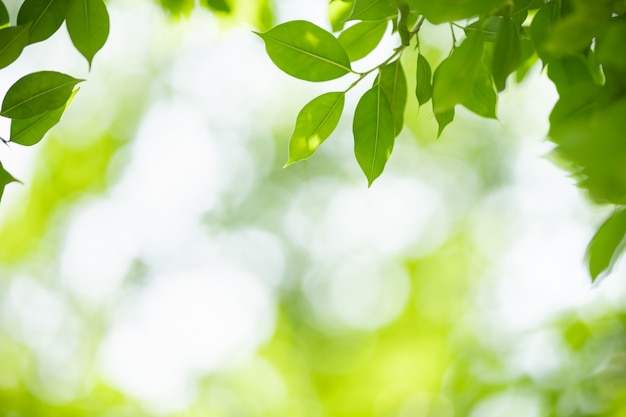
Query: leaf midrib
{"points": [[321, 58], [37, 95]]}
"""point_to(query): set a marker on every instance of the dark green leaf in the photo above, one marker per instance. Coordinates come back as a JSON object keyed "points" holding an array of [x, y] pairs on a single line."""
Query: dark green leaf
{"points": [[4, 15], [610, 46], [423, 85], [506, 54], [45, 16], [88, 26], [306, 51], [373, 132], [403, 30], [540, 29], [37, 93], [569, 71], [372, 10], [338, 12], [484, 98], [5, 178], [315, 122], [444, 119], [218, 5], [453, 80], [393, 81], [603, 250], [361, 39], [12, 43]]}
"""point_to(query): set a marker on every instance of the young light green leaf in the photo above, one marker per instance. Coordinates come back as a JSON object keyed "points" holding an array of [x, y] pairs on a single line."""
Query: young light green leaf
{"points": [[4, 15], [506, 54], [443, 119], [403, 29], [314, 124], [373, 132], [361, 39], [28, 132], [393, 81], [88, 26], [423, 84], [306, 51], [372, 10], [453, 80], [603, 250], [13, 40], [338, 12], [447, 11], [484, 97], [217, 5], [37, 93], [5, 178], [45, 16]]}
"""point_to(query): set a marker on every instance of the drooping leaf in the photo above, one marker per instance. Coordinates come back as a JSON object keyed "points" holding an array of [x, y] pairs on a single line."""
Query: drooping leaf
{"points": [[306, 51], [483, 99], [13, 40], [423, 85], [603, 250], [338, 12], [5, 178], [506, 54], [444, 119], [314, 124], [37, 93], [4, 15], [373, 132], [393, 81], [361, 39], [453, 80], [28, 132], [403, 29], [218, 5], [45, 16], [372, 10], [88, 25]]}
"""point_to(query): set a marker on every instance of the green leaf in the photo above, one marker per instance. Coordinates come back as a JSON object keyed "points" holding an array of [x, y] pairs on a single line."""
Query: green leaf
{"points": [[403, 29], [13, 40], [338, 12], [423, 85], [372, 10], [453, 80], [4, 15], [361, 39], [88, 26], [373, 132], [37, 93], [506, 54], [484, 98], [314, 124], [46, 17], [28, 132], [437, 11], [444, 119], [306, 51], [5, 178], [540, 29], [393, 81], [218, 5], [569, 71], [603, 250]]}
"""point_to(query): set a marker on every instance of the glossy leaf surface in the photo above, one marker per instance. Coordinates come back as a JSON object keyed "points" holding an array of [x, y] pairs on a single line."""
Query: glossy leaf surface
{"points": [[306, 51], [373, 132], [372, 10], [13, 40], [88, 26], [314, 124], [37, 93], [28, 132], [45, 16], [393, 81], [361, 39]]}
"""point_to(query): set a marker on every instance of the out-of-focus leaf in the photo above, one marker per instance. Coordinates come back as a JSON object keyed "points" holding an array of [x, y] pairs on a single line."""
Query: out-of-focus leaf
{"points": [[447, 11], [540, 29], [13, 40], [506, 54], [306, 51], [603, 250], [569, 71], [528, 58], [444, 119], [45, 16], [218, 5], [314, 124], [37, 93], [393, 81], [178, 7], [610, 46], [4, 15], [423, 84], [361, 39], [88, 25], [338, 12], [403, 30], [373, 132], [453, 80], [372, 10], [483, 99], [5, 178]]}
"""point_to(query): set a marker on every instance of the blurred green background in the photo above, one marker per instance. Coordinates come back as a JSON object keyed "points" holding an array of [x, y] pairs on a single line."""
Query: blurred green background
{"points": [[158, 261]]}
